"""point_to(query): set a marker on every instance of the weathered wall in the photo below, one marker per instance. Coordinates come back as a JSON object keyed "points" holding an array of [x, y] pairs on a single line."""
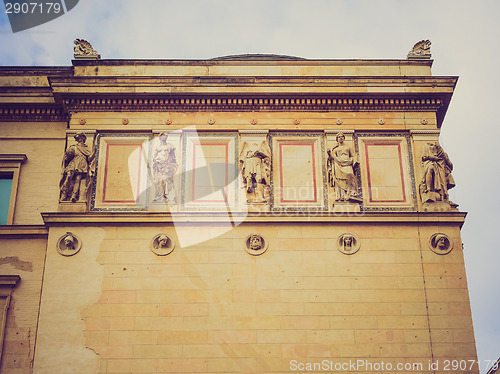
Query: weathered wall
{"points": [[214, 308], [23, 257], [70, 284]]}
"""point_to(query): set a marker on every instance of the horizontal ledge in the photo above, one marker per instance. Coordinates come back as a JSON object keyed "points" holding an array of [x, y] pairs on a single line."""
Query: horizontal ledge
{"points": [[139, 218], [23, 230]]}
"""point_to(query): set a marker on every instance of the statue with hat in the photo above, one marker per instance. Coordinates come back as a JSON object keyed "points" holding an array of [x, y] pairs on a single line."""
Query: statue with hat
{"points": [[78, 168]]}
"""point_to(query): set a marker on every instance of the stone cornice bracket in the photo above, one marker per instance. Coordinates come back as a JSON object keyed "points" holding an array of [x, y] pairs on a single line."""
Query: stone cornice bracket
{"points": [[335, 132], [9, 280], [84, 51], [253, 132], [420, 51]]}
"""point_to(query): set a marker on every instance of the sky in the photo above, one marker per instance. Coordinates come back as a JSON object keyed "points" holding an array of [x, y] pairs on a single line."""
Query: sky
{"points": [[464, 43]]}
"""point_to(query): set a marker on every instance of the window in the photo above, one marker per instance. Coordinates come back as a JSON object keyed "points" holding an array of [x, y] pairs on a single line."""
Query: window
{"points": [[10, 166], [7, 283]]}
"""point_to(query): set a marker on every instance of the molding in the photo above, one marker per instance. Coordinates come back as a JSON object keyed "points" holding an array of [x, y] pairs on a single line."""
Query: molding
{"points": [[33, 114], [12, 157], [335, 132], [161, 218], [9, 280], [75, 131], [425, 132], [253, 132], [17, 231], [251, 103]]}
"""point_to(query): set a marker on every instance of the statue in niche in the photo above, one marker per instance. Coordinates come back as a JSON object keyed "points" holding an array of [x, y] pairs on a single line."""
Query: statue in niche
{"points": [[348, 243], [437, 178], [68, 244], [440, 244], [78, 170], [162, 245], [164, 168], [255, 164], [341, 164], [255, 242]]}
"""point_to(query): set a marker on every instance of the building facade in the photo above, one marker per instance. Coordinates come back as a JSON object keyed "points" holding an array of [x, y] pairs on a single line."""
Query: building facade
{"points": [[245, 214]]}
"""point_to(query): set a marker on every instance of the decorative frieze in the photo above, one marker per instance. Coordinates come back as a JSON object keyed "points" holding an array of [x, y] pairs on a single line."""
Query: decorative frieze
{"points": [[33, 114], [255, 103]]}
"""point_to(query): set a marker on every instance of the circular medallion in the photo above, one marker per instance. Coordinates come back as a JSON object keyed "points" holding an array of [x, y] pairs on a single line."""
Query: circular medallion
{"points": [[348, 243], [162, 245], [440, 244], [69, 244], [255, 244]]}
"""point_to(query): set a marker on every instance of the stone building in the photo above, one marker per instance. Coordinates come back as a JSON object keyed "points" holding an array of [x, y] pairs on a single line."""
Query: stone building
{"points": [[244, 214]]}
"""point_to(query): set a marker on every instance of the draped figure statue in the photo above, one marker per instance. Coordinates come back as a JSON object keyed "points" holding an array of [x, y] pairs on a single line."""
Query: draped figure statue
{"points": [[341, 176]]}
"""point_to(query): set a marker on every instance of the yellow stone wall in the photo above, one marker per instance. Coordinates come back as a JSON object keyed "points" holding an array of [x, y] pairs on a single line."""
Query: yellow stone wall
{"points": [[213, 308], [38, 189], [24, 257]]}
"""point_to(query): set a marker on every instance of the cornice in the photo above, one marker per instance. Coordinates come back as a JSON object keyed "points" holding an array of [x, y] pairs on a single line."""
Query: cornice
{"points": [[13, 157], [30, 113], [23, 231], [9, 281], [148, 218], [264, 103]]}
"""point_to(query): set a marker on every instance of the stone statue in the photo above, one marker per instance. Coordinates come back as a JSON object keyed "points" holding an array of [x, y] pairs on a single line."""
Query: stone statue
{"points": [[78, 165], [162, 245], [421, 50], [163, 241], [436, 178], [348, 243], [68, 245], [341, 164], [255, 242], [83, 50], [69, 242], [164, 168], [440, 243], [255, 164]]}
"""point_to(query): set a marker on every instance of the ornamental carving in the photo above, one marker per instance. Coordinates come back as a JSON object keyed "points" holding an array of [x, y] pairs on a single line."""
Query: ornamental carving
{"points": [[78, 170], [68, 244], [164, 168], [255, 166], [436, 177], [162, 245], [84, 51], [255, 244], [440, 243], [342, 162], [421, 50], [348, 243]]}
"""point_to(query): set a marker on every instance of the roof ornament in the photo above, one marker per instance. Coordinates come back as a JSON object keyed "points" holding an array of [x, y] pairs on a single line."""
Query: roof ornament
{"points": [[85, 51], [420, 51]]}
